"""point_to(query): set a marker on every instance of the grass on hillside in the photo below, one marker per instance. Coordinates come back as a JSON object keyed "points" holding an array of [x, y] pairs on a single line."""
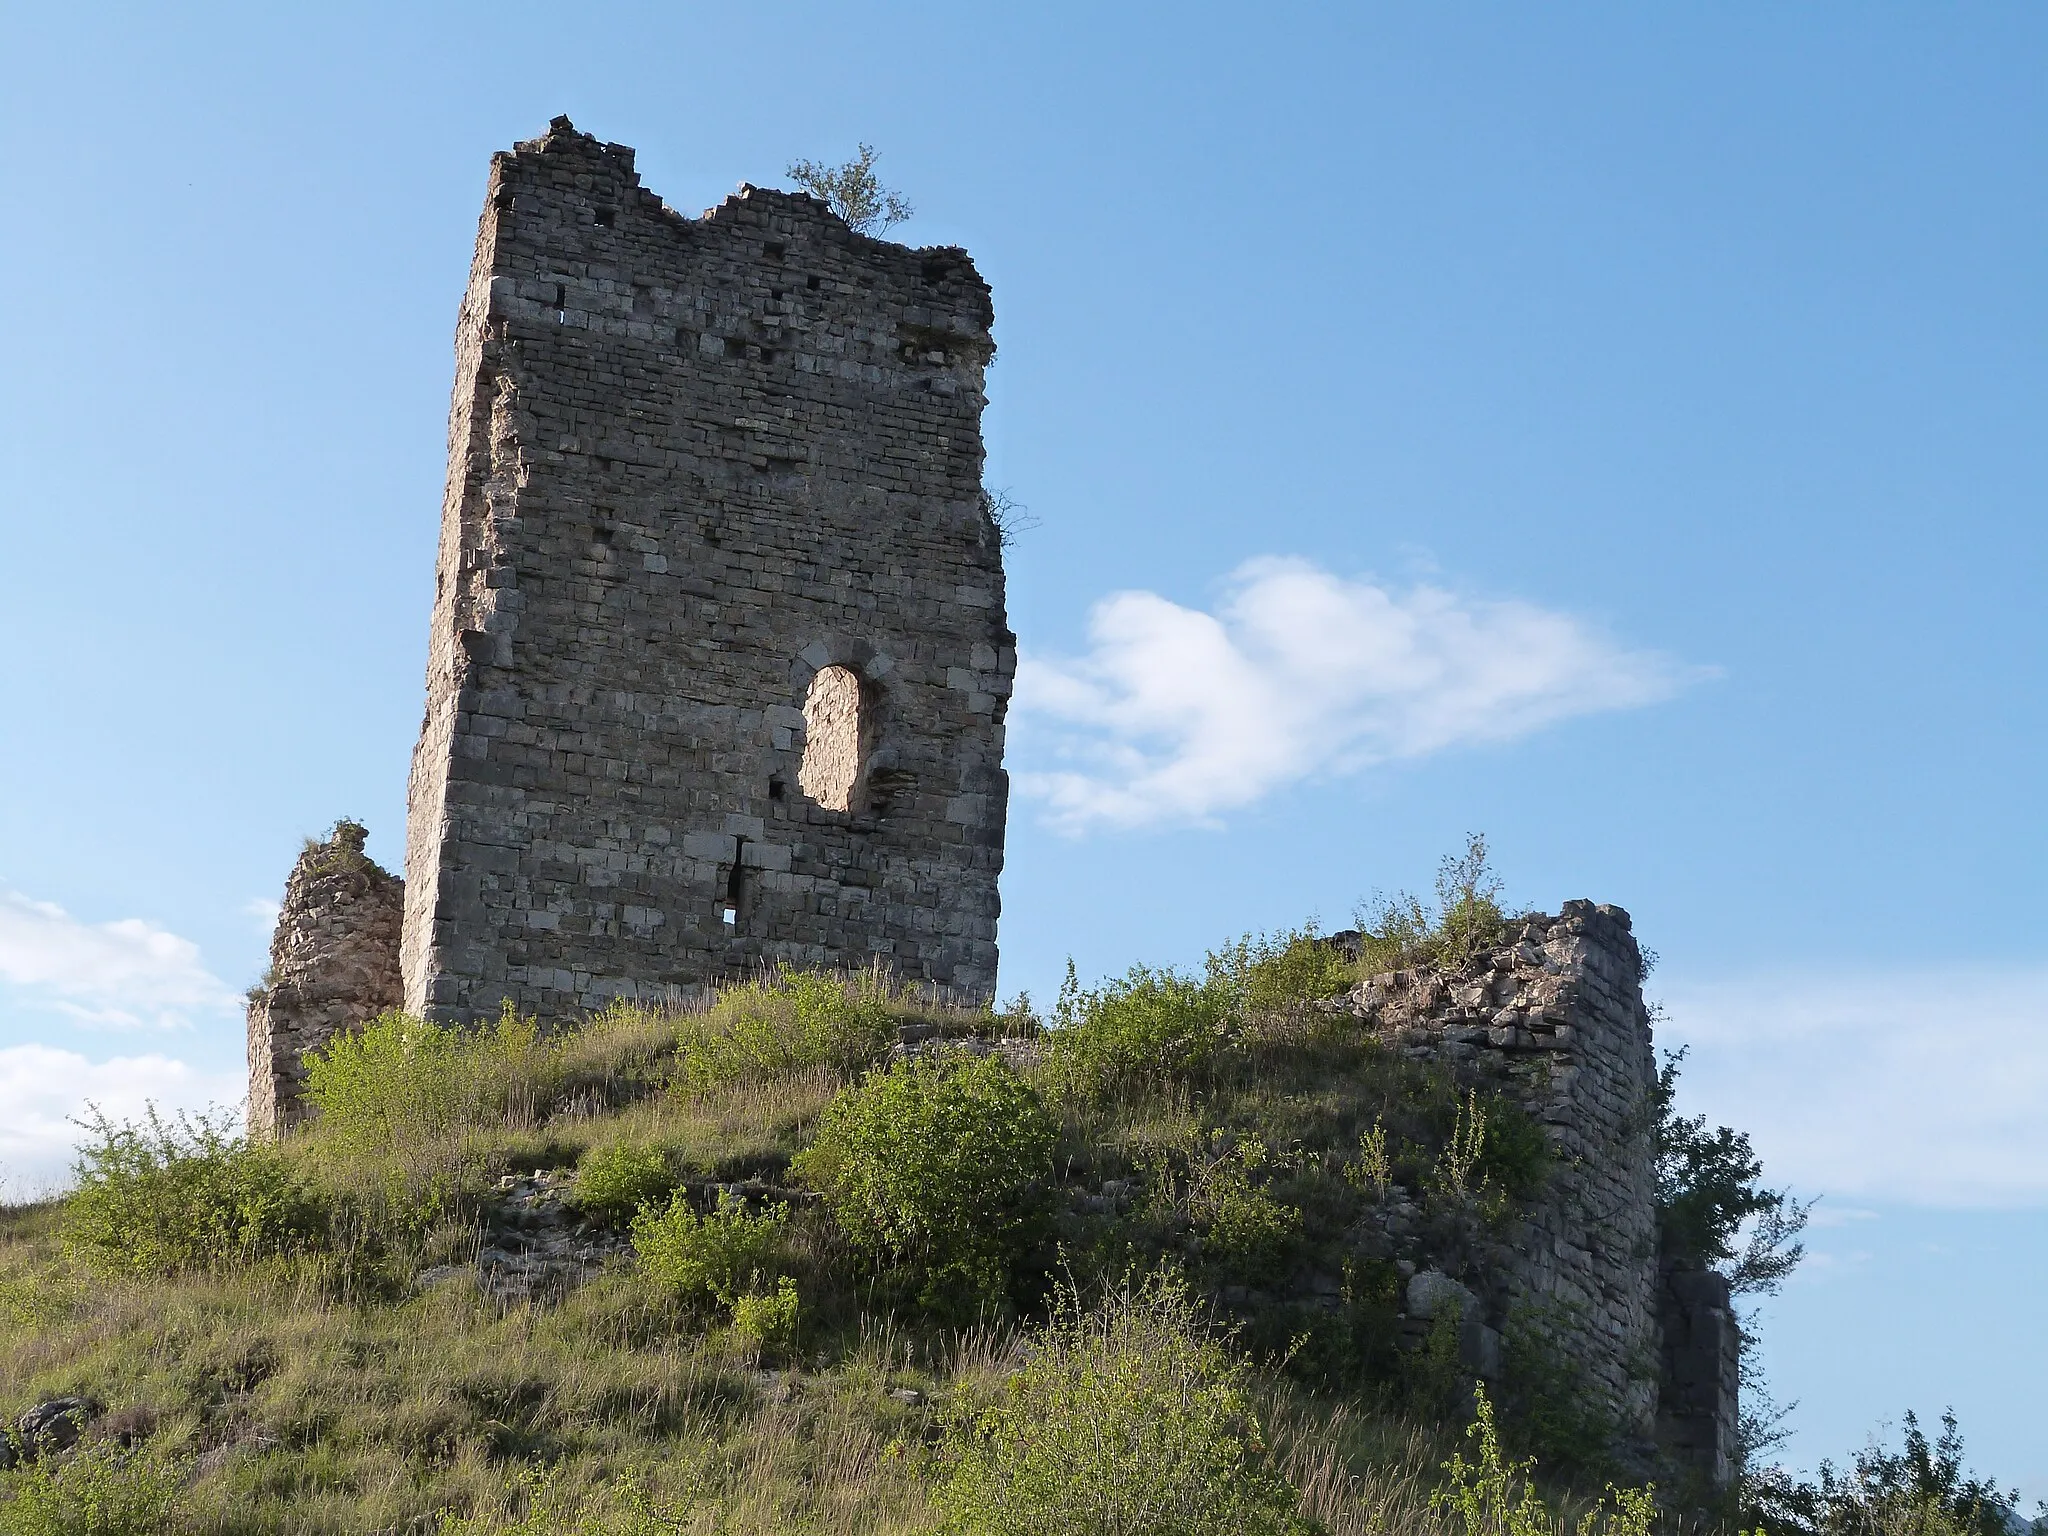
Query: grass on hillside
{"points": [[872, 1295]]}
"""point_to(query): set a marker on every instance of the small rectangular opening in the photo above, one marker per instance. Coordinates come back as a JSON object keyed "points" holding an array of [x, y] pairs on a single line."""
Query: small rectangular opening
{"points": [[811, 283], [735, 347], [773, 250], [777, 789], [605, 217]]}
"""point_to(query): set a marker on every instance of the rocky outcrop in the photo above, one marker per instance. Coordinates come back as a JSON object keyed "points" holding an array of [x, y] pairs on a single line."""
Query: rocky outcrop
{"points": [[333, 965]]}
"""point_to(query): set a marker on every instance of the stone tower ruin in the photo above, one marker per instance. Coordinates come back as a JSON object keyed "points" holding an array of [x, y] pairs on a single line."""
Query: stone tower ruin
{"points": [[333, 966], [719, 658]]}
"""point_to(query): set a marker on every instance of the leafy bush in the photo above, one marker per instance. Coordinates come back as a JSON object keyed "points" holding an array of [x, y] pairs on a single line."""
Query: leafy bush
{"points": [[943, 1166], [1277, 975], [1127, 1417], [616, 1181], [1919, 1490], [1494, 1152], [768, 1318], [401, 1080], [1144, 1027], [1399, 931], [1709, 1185], [98, 1490], [157, 1198], [1210, 1183], [793, 1020], [724, 1256], [1498, 1497]]}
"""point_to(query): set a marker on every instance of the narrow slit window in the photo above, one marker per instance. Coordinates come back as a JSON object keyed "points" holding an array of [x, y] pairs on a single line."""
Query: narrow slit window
{"points": [[832, 725]]}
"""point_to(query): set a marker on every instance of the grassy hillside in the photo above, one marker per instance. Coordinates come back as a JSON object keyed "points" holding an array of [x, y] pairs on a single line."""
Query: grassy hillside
{"points": [[773, 1264], [818, 1256]]}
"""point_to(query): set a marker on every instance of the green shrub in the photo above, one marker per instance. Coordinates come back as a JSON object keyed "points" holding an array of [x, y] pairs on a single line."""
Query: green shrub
{"points": [[793, 1020], [399, 1080], [1211, 1183], [157, 1198], [616, 1181], [1128, 1418], [724, 1256], [1278, 975], [97, 1490], [1498, 1497], [1920, 1490], [1399, 931], [944, 1166], [768, 1318], [1144, 1027]]}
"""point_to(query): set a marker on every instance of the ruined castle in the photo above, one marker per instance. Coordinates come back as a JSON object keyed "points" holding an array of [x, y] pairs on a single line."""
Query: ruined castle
{"points": [[716, 678]]}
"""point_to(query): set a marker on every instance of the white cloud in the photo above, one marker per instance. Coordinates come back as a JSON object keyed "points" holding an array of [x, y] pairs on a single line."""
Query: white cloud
{"points": [[1176, 715], [43, 1089], [263, 911], [128, 973], [1927, 1087]]}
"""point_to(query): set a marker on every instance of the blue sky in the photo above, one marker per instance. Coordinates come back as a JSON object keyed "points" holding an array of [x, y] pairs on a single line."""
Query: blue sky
{"points": [[1617, 429]]}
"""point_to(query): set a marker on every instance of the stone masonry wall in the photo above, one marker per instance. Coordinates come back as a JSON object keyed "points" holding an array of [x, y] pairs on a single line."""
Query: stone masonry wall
{"points": [[333, 965], [1554, 1018], [693, 462], [1698, 1405]]}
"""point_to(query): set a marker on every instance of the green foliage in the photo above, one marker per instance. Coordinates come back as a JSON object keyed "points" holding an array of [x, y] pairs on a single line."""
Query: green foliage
{"points": [[1709, 1184], [724, 1256], [551, 1507], [943, 1166], [1918, 1490], [160, 1197], [97, 1490], [1555, 1413], [788, 1022], [1124, 1418], [1372, 1175], [616, 1181], [1277, 975], [1399, 931], [400, 1080], [1143, 1028], [853, 192], [1498, 1497], [1216, 1185], [768, 1318]]}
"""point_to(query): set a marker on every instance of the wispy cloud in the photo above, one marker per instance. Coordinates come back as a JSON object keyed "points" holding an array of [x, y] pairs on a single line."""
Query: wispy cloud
{"points": [[1178, 715], [124, 974], [1928, 1087], [44, 1089]]}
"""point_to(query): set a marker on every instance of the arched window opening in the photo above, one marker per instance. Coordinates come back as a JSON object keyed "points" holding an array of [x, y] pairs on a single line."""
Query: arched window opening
{"points": [[831, 766]]}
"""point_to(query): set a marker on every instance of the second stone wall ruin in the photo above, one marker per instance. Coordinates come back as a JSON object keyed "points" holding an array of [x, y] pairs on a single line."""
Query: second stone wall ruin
{"points": [[1554, 1020], [333, 965]]}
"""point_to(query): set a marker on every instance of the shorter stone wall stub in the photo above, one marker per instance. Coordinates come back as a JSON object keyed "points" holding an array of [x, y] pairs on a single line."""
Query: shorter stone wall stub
{"points": [[1698, 1419], [333, 966]]}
